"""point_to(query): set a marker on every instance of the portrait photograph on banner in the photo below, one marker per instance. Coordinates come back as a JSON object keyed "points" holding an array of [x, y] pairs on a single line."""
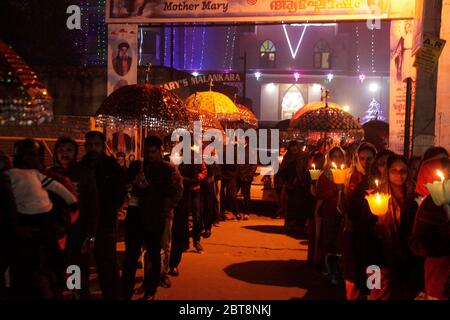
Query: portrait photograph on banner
{"points": [[122, 56]]}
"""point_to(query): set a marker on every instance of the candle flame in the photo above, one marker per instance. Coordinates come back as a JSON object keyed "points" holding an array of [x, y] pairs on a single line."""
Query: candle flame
{"points": [[304, 148], [334, 165], [314, 166], [378, 197], [342, 167], [440, 175], [377, 183]]}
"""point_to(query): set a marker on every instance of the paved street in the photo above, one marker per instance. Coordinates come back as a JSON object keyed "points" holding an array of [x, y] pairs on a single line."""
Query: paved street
{"points": [[249, 260]]}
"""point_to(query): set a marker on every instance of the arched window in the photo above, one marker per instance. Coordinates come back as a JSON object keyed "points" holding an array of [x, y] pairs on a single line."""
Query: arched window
{"points": [[292, 102], [267, 54], [322, 55]]}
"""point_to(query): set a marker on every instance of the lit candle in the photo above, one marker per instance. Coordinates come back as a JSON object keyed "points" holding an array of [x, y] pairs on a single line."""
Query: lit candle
{"points": [[439, 190], [315, 174], [339, 175], [378, 203]]}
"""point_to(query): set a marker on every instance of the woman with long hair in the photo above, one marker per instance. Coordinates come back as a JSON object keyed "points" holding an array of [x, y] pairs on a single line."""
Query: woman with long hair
{"points": [[354, 269], [363, 160], [384, 239]]}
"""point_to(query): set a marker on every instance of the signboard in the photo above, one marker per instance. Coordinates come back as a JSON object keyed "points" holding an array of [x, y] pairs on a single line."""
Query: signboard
{"points": [[122, 56], [203, 79], [170, 11], [401, 69], [428, 56]]}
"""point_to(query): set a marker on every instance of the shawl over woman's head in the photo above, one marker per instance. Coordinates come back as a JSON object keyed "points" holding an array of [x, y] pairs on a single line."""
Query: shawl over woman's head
{"points": [[365, 146]]}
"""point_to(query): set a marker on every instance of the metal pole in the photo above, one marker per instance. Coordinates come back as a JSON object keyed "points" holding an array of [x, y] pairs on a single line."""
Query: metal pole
{"points": [[407, 142]]}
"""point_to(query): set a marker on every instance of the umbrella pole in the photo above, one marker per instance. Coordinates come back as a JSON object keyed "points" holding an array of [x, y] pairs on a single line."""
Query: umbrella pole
{"points": [[141, 149]]}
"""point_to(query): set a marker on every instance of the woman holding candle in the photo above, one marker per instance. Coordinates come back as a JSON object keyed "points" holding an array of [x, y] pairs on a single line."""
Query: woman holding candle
{"points": [[328, 194], [364, 159], [431, 237], [316, 161], [357, 289], [383, 239]]}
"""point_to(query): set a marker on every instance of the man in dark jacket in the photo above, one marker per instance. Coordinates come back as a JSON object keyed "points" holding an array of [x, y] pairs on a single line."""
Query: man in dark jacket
{"points": [[193, 175], [245, 175], [111, 189], [209, 199], [157, 188]]}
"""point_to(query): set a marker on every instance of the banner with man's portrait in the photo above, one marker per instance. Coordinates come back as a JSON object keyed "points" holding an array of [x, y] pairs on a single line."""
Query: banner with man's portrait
{"points": [[122, 56]]}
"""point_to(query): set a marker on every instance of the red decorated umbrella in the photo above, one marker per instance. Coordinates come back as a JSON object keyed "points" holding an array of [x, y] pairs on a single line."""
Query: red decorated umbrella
{"points": [[326, 120], [148, 108], [23, 98], [152, 107]]}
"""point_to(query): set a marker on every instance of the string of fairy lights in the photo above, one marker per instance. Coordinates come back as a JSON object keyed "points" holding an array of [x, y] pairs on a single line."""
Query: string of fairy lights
{"points": [[192, 47], [202, 56], [227, 44], [233, 42], [102, 33], [358, 62], [372, 45], [362, 76]]}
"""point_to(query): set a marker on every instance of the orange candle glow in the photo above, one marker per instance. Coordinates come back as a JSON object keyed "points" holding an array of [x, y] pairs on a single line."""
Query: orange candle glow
{"points": [[339, 175], [378, 203]]}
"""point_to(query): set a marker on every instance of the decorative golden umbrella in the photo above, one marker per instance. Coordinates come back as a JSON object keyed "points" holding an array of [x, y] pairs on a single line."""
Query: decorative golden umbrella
{"points": [[208, 120], [214, 102], [23, 99], [247, 116]]}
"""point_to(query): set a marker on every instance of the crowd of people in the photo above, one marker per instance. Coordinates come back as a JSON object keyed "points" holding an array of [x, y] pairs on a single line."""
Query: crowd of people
{"points": [[409, 245], [52, 218], [67, 215]]}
